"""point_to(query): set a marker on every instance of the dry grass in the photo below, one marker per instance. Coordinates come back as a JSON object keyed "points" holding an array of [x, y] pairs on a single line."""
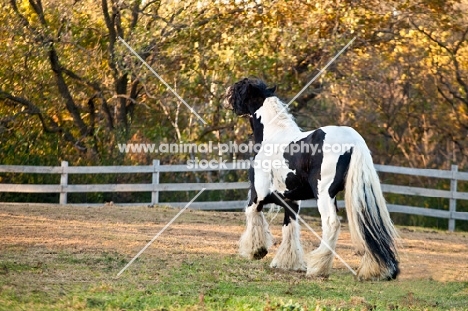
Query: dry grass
{"points": [[50, 247]]}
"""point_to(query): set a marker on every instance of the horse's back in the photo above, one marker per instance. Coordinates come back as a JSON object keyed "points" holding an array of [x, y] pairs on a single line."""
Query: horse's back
{"points": [[341, 134]]}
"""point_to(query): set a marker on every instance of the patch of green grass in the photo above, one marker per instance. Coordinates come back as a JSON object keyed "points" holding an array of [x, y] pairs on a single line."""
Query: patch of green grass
{"points": [[14, 266], [88, 282], [105, 260]]}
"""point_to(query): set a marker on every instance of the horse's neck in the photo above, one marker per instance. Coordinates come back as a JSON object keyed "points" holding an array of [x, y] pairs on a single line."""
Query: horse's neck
{"points": [[276, 121], [279, 132], [264, 131], [272, 122]]}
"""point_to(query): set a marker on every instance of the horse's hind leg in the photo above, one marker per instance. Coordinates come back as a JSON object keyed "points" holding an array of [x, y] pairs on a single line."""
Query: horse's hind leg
{"points": [[320, 261], [290, 255]]}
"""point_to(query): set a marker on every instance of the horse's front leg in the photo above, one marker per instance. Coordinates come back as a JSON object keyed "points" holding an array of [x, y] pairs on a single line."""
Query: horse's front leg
{"points": [[256, 239], [290, 255]]}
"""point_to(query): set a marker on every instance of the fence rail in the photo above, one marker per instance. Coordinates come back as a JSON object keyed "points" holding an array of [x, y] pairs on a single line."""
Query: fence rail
{"points": [[155, 187]]}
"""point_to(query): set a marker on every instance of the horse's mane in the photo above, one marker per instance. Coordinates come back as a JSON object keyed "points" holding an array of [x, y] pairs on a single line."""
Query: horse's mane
{"points": [[279, 113]]}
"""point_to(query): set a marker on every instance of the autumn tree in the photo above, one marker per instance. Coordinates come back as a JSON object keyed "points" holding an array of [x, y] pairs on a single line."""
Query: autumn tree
{"points": [[71, 89]]}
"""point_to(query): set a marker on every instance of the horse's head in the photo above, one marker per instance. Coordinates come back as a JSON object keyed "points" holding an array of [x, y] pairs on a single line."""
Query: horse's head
{"points": [[247, 95]]}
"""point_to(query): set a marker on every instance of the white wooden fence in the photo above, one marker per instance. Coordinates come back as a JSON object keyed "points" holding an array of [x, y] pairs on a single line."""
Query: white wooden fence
{"points": [[156, 187]]}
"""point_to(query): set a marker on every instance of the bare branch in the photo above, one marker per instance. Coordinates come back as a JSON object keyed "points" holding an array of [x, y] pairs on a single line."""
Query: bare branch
{"points": [[462, 40], [214, 128], [52, 127], [94, 85], [37, 7], [38, 36], [65, 91], [452, 103], [112, 36], [456, 64], [430, 37], [459, 79], [453, 92], [135, 14]]}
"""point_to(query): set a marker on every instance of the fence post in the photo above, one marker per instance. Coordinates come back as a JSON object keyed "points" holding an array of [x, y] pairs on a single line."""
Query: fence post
{"points": [[155, 193], [63, 183], [453, 201]]}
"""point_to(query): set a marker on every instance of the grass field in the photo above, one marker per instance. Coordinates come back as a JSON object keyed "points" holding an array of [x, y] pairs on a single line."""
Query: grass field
{"points": [[67, 258]]}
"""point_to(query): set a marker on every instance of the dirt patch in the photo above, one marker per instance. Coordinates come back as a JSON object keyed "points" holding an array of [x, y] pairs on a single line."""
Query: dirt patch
{"points": [[47, 229]]}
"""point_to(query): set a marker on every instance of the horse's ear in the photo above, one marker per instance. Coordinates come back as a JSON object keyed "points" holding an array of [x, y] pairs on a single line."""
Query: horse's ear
{"points": [[272, 89]]}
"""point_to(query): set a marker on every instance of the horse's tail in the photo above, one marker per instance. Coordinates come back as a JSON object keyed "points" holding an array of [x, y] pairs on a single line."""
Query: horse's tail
{"points": [[371, 228]]}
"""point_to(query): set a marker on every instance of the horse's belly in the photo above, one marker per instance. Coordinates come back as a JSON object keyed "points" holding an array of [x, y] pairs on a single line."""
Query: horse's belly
{"points": [[279, 175], [294, 185]]}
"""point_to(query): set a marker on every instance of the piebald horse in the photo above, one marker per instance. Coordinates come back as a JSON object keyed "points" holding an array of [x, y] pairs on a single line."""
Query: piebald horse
{"points": [[292, 165]]}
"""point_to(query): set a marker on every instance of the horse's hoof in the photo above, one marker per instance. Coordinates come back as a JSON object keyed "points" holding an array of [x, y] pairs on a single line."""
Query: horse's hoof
{"points": [[317, 273], [298, 267], [260, 253]]}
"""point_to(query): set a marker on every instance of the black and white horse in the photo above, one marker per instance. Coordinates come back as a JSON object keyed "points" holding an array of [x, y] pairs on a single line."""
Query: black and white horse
{"points": [[292, 165]]}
